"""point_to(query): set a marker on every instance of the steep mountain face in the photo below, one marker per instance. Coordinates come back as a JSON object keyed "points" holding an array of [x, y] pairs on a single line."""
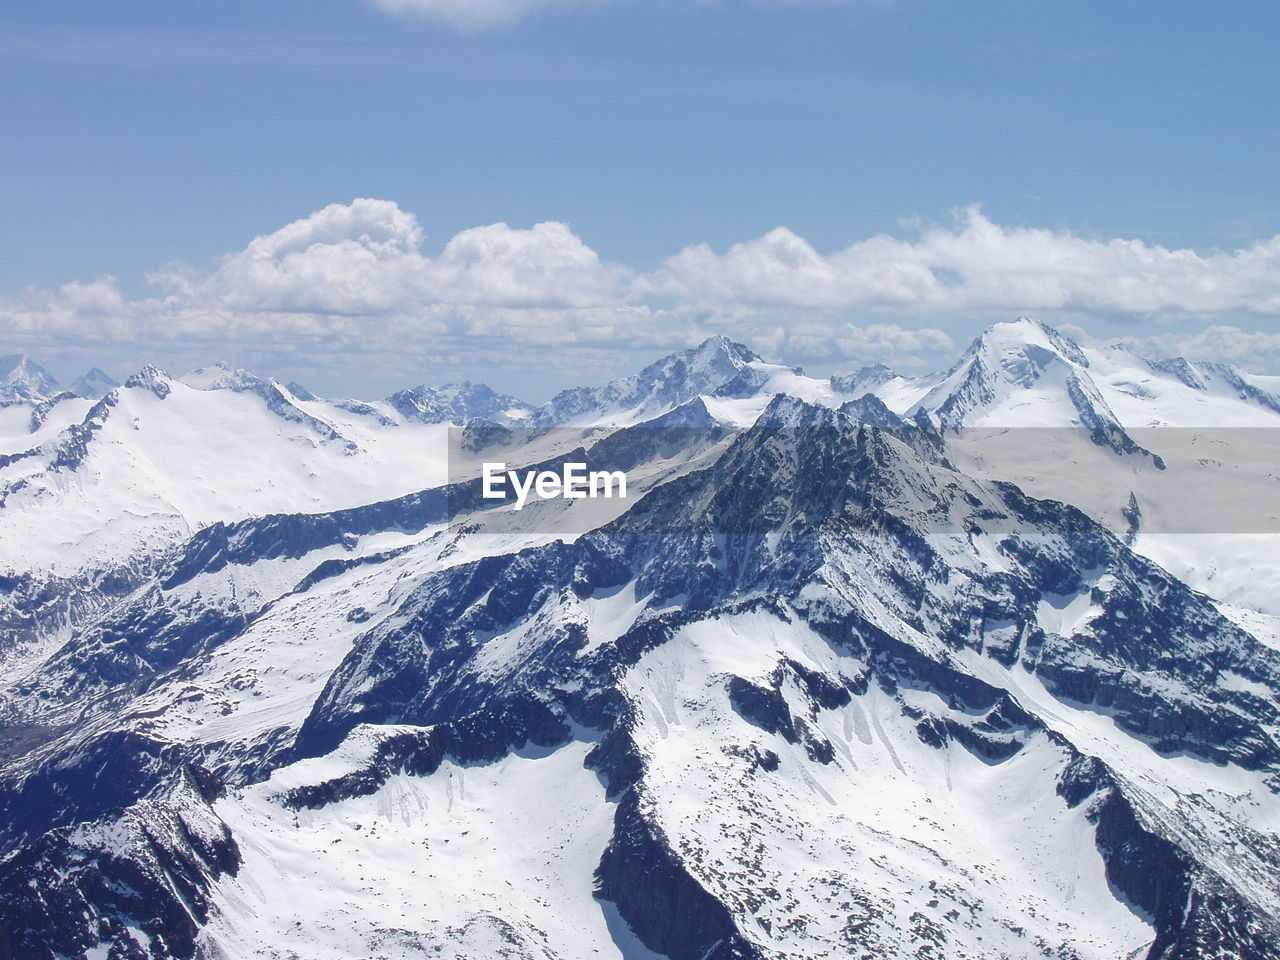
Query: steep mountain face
{"points": [[23, 381], [1025, 374], [822, 688]]}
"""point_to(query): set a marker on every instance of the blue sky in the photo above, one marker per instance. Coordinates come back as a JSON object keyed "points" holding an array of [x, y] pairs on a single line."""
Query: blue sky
{"points": [[139, 134]]}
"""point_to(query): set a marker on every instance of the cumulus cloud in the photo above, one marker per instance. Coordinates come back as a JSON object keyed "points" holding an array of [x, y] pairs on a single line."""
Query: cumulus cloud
{"points": [[366, 258], [979, 265], [543, 266], [782, 268], [356, 278]]}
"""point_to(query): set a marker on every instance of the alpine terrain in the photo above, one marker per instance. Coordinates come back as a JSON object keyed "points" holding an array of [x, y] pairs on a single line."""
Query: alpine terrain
{"points": [[982, 664]]}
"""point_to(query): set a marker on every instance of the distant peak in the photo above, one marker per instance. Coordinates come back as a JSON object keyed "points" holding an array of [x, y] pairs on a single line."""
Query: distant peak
{"points": [[1009, 336], [148, 372], [720, 344], [220, 375], [151, 378], [93, 384], [455, 403], [22, 379], [867, 378]]}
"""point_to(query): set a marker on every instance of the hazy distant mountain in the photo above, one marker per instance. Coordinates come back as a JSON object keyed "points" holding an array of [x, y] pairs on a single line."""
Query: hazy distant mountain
{"points": [[93, 385], [458, 403], [24, 381]]}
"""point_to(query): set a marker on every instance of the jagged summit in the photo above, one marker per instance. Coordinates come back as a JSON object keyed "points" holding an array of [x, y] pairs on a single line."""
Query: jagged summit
{"points": [[1013, 337], [152, 378], [864, 380], [457, 403], [1224, 380], [1020, 352], [662, 385], [22, 380], [299, 391], [717, 355]]}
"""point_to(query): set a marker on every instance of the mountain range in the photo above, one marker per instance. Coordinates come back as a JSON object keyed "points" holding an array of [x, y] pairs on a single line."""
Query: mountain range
{"points": [[978, 664]]}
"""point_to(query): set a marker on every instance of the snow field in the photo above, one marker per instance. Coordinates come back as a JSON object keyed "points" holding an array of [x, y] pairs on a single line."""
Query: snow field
{"points": [[472, 861], [895, 843]]}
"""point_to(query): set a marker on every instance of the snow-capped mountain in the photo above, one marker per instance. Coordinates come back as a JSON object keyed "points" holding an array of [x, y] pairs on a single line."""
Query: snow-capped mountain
{"points": [[24, 381], [656, 389], [1025, 373], [458, 403], [93, 385], [101, 491], [833, 682]]}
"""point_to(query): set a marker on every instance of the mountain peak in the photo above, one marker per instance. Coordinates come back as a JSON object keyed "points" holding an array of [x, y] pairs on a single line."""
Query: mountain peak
{"points": [[456, 403], [151, 378], [24, 380], [220, 376], [93, 384], [865, 380], [299, 391], [720, 347], [1023, 371], [1027, 337], [662, 385]]}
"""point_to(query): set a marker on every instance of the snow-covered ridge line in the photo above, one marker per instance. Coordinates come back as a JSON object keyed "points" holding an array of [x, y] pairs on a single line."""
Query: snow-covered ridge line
{"points": [[277, 683]]}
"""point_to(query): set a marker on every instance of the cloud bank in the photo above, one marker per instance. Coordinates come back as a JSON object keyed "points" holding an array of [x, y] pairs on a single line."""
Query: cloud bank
{"points": [[356, 278], [979, 265]]}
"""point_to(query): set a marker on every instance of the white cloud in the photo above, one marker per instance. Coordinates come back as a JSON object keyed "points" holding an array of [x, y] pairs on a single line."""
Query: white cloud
{"points": [[782, 268], [543, 266], [356, 258], [979, 266], [473, 14], [482, 14], [355, 279], [366, 258]]}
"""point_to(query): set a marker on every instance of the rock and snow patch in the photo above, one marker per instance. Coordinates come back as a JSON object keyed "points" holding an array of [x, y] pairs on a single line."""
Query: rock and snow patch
{"points": [[471, 861], [893, 845]]}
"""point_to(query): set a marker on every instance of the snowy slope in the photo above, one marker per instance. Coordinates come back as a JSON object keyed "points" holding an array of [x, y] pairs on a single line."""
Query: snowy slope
{"points": [[828, 685], [1026, 374], [471, 861], [1193, 443], [887, 847], [133, 470]]}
